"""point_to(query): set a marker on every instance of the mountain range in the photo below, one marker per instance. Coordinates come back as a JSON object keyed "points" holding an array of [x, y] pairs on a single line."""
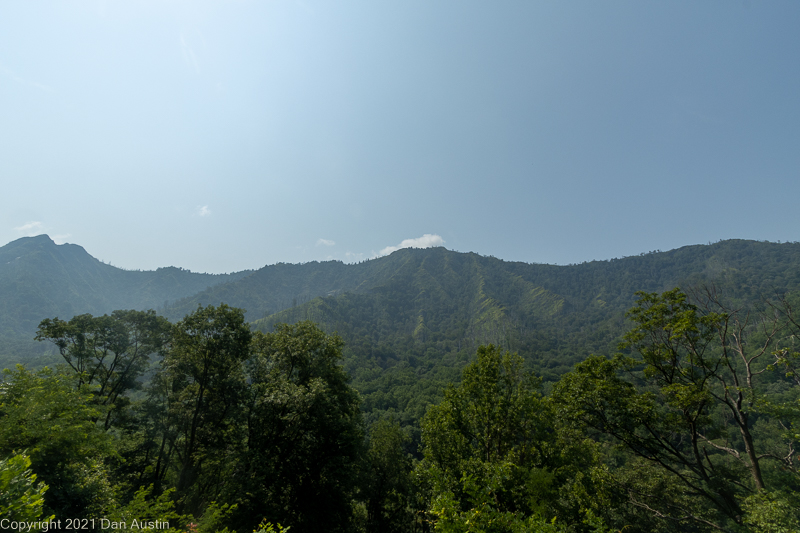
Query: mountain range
{"points": [[411, 319]]}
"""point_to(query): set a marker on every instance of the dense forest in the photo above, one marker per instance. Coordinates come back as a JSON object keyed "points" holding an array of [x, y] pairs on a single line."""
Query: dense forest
{"points": [[691, 426], [425, 391]]}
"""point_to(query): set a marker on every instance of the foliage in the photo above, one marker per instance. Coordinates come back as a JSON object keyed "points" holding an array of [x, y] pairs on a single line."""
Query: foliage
{"points": [[482, 513], [45, 415], [144, 508], [303, 432], [773, 512], [204, 383], [387, 487], [493, 457], [269, 527], [110, 352], [692, 409], [492, 416], [21, 498], [235, 427]]}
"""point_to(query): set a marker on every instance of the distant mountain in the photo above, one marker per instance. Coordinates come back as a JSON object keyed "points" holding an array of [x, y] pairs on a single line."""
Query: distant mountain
{"points": [[411, 328], [277, 287], [40, 279], [410, 319], [423, 293], [414, 317]]}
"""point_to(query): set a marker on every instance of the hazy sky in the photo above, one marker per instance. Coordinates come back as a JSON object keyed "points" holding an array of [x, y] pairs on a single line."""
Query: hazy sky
{"points": [[219, 136]]}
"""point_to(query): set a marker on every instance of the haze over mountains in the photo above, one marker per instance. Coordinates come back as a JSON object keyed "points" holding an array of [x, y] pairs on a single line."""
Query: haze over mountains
{"points": [[413, 304]]}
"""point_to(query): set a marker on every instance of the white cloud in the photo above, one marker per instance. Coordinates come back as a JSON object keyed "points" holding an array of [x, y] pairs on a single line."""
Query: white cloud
{"points": [[426, 241], [30, 229], [61, 239], [325, 242], [203, 210]]}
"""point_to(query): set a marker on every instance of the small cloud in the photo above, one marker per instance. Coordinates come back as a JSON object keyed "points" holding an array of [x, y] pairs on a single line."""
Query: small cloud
{"points": [[426, 241], [203, 211], [325, 242], [29, 229], [61, 239]]}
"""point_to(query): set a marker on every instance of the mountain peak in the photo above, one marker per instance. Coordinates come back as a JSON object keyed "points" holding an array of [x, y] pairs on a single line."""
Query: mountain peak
{"points": [[44, 237], [25, 245]]}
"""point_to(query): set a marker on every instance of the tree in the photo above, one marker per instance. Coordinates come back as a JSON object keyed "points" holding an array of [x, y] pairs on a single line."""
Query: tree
{"points": [[42, 414], [109, 352], [689, 405], [21, 498], [492, 455], [304, 433], [491, 417], [388, 487], [203, 378]]}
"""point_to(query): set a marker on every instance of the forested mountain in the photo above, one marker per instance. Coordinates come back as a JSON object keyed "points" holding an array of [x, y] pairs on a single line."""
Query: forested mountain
{"points": [[442, 299], [410, 331], [39, 279], [415, 303], [416, 416], [410, 320]]}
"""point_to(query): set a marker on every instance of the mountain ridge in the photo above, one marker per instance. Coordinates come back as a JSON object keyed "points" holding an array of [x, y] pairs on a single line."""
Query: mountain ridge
{"points": [[409, 305], [41, 279]]}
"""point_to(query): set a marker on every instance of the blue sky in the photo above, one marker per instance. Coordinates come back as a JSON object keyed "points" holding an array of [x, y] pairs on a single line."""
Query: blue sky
{"points": [[220, 136]]}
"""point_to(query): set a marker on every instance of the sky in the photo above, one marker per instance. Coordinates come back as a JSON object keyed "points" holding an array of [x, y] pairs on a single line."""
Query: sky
{"points": [[228, 135]]}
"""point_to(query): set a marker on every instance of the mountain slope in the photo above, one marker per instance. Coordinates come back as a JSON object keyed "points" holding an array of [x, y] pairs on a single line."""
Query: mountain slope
{"points": [[410, 319], [39, 279], [409, 331]]}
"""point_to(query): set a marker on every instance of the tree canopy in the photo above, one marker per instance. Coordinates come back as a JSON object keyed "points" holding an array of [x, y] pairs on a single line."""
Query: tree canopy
{"points": [[691, 426]]}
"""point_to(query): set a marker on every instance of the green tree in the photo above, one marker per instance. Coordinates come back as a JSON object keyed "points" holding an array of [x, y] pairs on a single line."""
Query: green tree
{"points": [[388, 486], [21, 498], [110, 352], [490, 417], [304, 434], [492, 455], [203, 379], [773, 512], [45, 415], [689, 404]]}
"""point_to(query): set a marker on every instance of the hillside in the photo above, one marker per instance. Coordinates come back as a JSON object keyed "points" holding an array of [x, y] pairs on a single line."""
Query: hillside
{"points": [[40, 279], [412, 319], [432, 295], [410, 330]]}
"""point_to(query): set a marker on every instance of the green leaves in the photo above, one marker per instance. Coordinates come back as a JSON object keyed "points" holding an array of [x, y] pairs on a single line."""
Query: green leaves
{"points": [[670, 334], [387, 486], [21, 498], [43, 414], [494, 458], [773, 512], [687, 400], [108, 353], [205, 385], [304, 432]]}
